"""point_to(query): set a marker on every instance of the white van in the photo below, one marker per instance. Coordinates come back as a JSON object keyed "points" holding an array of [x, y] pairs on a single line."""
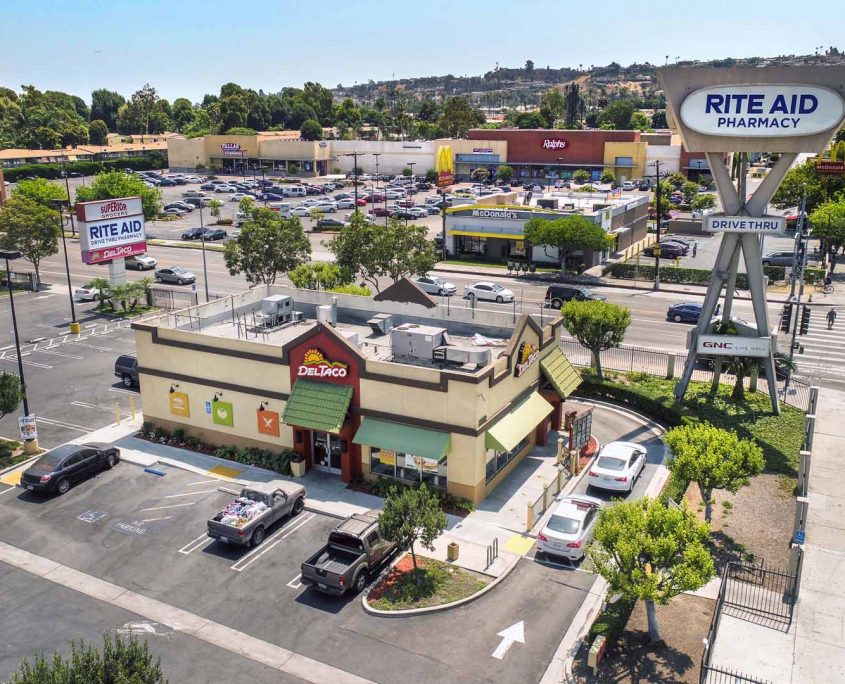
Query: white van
{"points": [[294, 191]]}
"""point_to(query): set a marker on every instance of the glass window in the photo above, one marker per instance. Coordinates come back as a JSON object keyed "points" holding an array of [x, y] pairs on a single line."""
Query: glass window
{"points": [[496, 460], [559, 523], [611, 463], [405, 467]]}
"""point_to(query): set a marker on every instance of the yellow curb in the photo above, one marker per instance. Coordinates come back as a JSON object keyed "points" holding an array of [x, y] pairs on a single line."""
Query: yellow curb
{"points": [[13, 478], [519, 545], [225, 471]]}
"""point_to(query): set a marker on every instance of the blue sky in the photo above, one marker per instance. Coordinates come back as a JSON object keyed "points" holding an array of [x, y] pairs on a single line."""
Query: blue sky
{"points": [[190, 47]]}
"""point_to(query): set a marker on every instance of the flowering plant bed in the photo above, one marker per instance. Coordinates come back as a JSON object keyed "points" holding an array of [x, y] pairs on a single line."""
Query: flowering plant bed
{"points": [[434, 583]]}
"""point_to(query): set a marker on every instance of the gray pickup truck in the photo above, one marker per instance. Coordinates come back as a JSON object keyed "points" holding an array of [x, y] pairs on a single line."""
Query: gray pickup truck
{"points": [[350, 559], [246, 519]]}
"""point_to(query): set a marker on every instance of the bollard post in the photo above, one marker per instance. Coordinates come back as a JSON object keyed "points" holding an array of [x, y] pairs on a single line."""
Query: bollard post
{"points": [[670, 366], [529, 519], [132, 407], [116, 412], [574, 463]]}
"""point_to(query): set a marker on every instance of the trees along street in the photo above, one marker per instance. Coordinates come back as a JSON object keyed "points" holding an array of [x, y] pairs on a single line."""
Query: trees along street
{"points": [[567, 234], [713, 458], [596, 325], [646, 550]]}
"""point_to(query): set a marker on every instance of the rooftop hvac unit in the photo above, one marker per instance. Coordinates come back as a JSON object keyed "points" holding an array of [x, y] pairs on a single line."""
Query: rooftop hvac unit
{"points": [[327, 314], [480, 357], [381, 324], [276, 309], [416, 341]]}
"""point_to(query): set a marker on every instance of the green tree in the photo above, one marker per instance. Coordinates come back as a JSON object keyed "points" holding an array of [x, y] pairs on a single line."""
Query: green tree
{"points": [[574, 105], [116, 184], [618, 113], [459, 116], [104, 107], [409, 516], [828, 221], [567, 234], [214, 208], [639, 121], [268, 245], [504, 173], [30, 227], [41, 190], [608, 177], [311, 130], [690, 191], [373, 251], [658, 119], [182, 114], [677, 180], [702, 201], [233, 111], [529, 70], [10, 393], [407, 172], [431, 176], [120, 661], [241, 130], [530, 120], [597, 325], [581, 176], [820, 188], [144, 104], [712, 458], [552, 107], [318, 275], [479, 175], [646, 550], [98, 132]]}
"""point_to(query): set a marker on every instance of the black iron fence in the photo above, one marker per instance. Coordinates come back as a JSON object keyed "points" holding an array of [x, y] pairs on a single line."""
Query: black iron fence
{"points": [[628, 359], [21, 280], [714, 675]]}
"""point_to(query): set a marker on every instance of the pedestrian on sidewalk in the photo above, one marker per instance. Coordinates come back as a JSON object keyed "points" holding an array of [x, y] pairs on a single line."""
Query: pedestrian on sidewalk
{"points": [[831, 318], [694, 249], [832, 262]]}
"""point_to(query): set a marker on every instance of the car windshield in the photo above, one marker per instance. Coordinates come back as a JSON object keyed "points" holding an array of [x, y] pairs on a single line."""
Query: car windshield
{"points": [[612, 463], [496, 288], [558, 523], [179, 269]]}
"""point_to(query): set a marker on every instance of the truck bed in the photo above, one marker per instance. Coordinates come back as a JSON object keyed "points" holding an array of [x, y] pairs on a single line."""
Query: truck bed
{"points": [[333, 560]]}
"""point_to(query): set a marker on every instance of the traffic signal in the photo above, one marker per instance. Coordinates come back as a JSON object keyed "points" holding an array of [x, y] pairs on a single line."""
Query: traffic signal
{"points": [[786, 317], [799, 254], [805, 320]]}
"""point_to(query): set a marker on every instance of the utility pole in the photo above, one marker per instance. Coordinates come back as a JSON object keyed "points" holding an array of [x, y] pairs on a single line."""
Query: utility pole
{"points": [[658, 208], [354, 156], [70, 205], [375, 182]]}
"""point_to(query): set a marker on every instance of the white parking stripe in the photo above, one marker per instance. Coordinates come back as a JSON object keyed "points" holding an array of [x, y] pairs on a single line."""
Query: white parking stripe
{"points": [[252, 556], [8, 490], [50, 421], [166, 517], [199, 482], [195, 544], [158, 508], [55, 353], [295, 583], [201, 491], [14, 359]]}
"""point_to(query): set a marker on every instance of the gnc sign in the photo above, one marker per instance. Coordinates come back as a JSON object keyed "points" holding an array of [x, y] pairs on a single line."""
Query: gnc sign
{"points": [[733, 345]]}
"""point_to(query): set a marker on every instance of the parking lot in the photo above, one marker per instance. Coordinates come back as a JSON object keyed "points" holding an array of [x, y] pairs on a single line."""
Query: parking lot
{"points": [[147, 534]]}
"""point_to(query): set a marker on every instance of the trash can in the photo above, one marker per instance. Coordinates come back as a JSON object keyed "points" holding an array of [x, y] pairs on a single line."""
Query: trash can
{"points": [[297, 465], [452, 551]]}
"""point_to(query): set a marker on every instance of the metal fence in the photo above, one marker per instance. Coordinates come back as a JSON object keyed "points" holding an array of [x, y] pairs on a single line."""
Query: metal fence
{"points": [[21, 280], [627, 359], [550, 491], [171, 298], [714, 675]]}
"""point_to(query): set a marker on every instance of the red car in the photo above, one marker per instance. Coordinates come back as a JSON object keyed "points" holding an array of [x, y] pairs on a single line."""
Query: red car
{"points": [[381, 211], [407, 203], [362, 202]]}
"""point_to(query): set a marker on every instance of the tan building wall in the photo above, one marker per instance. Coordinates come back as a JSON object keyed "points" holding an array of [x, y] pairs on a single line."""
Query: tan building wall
{"points": [[187, 153], [636, 150], [499, 147]]}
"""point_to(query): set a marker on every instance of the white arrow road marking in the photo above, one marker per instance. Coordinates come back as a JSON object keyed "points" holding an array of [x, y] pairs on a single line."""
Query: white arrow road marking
{"points": [[509, 636]]}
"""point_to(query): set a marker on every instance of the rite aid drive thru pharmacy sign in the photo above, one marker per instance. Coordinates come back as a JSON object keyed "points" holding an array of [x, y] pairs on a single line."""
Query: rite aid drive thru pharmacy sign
{"points": [[762, 111], [111, 229]]}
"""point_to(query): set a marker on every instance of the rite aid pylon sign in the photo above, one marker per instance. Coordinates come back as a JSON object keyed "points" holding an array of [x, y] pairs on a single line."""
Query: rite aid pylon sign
{"points": [[111, 229], [760, 111], [444, 166], [748, 109]]}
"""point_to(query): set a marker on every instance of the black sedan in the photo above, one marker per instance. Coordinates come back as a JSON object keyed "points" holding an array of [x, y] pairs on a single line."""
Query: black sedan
{"points": [[58, 469], [193, 234], [215, 234], [669, 250]]}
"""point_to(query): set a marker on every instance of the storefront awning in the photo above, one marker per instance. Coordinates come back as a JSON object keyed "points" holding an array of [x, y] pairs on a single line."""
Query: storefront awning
{"points": [[560, 372], [503, 236], [317, 405], [518, 422], [406, 439]]}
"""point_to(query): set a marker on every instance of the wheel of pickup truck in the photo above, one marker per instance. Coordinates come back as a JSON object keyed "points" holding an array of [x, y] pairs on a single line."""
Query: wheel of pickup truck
{"points": [[361, 581], [257, 537], [298, 505]]}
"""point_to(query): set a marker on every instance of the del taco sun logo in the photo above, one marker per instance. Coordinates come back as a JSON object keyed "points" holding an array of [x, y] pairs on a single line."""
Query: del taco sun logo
{"points": [[315, 365], [528, 354]]}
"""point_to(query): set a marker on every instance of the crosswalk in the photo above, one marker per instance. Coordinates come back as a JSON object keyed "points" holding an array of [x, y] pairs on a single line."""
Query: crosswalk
{"points": [[821, 352]]}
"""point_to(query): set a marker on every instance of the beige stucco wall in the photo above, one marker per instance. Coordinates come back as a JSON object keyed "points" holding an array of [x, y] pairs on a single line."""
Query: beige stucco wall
{"points": [[248, 143], [499, 147], [186, 153], [305, 150], [636, 150]]}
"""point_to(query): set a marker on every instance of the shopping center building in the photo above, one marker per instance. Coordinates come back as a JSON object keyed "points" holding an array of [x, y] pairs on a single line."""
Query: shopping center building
{"points": [[494, 229], [403, 388]]}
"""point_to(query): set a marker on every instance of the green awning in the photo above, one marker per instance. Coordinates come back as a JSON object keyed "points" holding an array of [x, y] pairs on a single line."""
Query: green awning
{"points": [[317, 405], [406, 439], [560, 372], [518, 422]]}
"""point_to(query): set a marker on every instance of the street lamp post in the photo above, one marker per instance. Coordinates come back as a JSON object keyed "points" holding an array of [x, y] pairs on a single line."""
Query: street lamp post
{"points": [[31, 445], [375, 184], [204, 266], [58, 204], [412, 164], [67, 189], [658, 209]]}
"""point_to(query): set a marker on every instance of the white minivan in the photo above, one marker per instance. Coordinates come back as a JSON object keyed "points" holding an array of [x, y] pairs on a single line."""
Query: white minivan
{"points": [[294, 191]]}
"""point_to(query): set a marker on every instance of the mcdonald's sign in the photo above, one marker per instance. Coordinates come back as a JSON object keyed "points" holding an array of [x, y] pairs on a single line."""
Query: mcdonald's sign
{"points": [[444, 166]]}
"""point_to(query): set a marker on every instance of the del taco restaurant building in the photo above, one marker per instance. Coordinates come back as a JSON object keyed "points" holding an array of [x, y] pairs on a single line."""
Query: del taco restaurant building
{"points": [[420, 402]]}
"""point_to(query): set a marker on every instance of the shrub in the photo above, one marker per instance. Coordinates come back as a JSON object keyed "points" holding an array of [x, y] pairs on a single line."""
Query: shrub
{"points": [[700, 276], [179, 435], [225, 222], [352, 289], [612, 620], [147, 162], [147, 429]]}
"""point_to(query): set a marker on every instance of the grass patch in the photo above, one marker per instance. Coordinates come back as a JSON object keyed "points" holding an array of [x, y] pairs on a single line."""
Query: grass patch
{"points": [[11, 453], [120, 314], [184, 245], [780, 437], [434, 583]]}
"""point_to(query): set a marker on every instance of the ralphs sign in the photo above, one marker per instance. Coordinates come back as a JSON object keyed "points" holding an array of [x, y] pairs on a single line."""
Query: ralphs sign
{"points": [[111, 229], [762, 111]]}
